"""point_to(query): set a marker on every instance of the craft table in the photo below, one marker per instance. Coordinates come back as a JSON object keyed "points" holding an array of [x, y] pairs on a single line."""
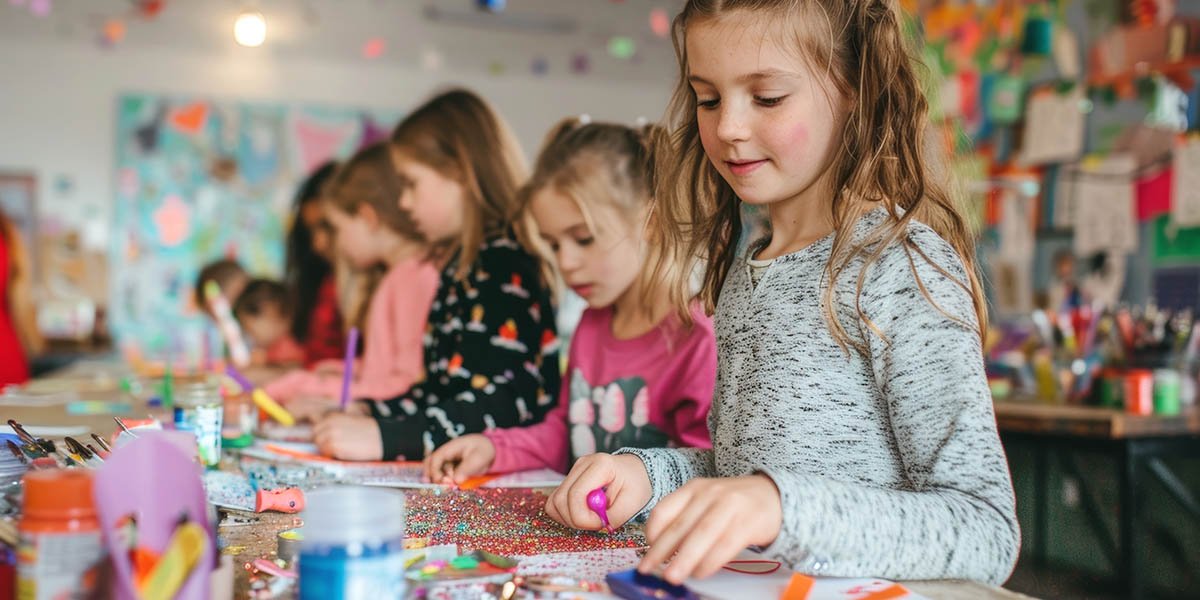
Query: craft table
{"points": [[257, 539]]}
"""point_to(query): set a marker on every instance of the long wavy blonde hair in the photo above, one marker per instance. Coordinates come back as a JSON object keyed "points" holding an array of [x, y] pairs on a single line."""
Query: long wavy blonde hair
{"points": [[880, 161]]}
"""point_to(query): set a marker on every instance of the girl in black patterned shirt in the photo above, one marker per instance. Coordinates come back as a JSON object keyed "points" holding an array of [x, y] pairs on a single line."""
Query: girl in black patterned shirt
{"points": [[491, 351]]}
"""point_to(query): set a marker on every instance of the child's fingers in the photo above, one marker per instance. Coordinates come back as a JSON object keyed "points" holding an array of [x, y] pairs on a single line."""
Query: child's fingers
{"points": [[672, 533], [667, 511], [427, 466], [470, 464], [698, 541], [562, 497], [556, 504], [435, 463], [725, 549]]}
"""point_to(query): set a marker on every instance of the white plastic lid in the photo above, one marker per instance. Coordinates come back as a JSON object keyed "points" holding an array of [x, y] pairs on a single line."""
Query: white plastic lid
{"points": [[345, 515]]}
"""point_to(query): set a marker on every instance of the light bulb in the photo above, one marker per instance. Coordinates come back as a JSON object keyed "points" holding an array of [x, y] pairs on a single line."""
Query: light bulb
{"points": [[250, 29]]}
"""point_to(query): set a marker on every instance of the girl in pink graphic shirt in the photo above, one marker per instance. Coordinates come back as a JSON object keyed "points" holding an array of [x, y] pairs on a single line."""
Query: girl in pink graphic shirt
{"points": [[638, 374]]}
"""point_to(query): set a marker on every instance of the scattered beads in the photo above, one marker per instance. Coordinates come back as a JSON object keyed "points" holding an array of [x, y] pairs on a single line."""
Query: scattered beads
{"points": [[508, 522]]}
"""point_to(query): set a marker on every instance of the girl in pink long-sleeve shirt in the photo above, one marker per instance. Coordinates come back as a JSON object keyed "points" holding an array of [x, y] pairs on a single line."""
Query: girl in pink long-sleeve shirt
{"points": [[370, 229], [638, 374]]}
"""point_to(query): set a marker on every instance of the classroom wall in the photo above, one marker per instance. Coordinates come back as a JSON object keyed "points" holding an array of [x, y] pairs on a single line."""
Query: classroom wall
{"points": [[58, 105]]}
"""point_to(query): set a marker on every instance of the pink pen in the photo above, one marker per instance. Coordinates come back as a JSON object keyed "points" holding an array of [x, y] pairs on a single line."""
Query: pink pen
{"points": [[597, 500]]}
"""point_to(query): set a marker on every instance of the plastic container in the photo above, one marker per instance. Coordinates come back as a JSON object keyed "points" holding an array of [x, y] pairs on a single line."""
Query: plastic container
{"points": [[1139, 392], [1110, 390], [60, 553], [353, 544], [200, 410], [1167, 397]]}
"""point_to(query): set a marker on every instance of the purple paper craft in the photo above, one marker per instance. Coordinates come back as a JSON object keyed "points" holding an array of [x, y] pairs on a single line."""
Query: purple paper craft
{"points": [[152, 478]]}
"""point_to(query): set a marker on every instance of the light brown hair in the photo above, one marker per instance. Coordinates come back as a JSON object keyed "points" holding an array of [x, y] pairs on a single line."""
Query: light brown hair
{"points": [[461, 137], [369, 178], [605, 165], [860, 45]]}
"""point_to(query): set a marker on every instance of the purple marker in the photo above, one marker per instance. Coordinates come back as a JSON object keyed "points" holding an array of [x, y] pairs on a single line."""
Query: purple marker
{"points": [[233, 373], [348, 368]]}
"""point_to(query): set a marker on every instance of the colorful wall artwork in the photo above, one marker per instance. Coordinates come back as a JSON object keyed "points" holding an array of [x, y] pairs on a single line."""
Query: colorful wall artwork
{"points": [[197, 180]]}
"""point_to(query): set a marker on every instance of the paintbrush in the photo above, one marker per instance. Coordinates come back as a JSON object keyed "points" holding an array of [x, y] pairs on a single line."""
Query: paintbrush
{"points": [[12, 447], [25, 435], [103, 444], [121, 424], [90, 459]]}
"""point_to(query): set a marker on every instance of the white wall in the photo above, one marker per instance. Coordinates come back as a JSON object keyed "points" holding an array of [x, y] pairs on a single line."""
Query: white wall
{"points": [[58, 105]]}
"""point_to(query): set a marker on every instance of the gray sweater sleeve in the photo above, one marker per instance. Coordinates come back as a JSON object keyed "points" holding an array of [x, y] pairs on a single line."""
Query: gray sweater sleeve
{"points": [[957, 519], [669, 469]]}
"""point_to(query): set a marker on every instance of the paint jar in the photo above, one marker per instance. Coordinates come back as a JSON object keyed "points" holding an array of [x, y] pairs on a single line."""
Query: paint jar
{"points": [[60, 553], [1167, 397], [353, 544], [288, 545], [1139, 392], [199, 410]]}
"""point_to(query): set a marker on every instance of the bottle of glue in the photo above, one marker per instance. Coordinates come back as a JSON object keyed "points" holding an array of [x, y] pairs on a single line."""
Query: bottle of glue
{"points": [[60, 552]]}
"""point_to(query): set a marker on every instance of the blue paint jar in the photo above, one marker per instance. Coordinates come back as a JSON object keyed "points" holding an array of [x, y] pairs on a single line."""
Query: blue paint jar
{"points": [[353, 544]]}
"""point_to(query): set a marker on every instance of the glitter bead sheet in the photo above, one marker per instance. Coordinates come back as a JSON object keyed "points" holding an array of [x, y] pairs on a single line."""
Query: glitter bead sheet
{"points": [[588, 566], [505, 521]]}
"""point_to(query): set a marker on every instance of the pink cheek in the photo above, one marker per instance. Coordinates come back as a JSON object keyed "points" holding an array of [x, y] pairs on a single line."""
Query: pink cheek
{"points": [[800, 135], [790, 143], [797, 138]]}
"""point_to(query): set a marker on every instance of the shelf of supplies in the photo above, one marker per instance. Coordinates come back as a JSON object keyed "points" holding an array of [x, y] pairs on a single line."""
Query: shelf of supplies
{"points": [[1128, 76]]}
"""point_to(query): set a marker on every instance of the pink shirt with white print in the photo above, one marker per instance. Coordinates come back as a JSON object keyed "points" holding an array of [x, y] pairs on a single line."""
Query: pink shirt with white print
{"points": [[650, 391]]}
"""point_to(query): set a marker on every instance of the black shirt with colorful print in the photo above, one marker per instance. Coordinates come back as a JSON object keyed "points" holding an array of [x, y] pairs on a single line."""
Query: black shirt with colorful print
{"points": [[491, 356]]}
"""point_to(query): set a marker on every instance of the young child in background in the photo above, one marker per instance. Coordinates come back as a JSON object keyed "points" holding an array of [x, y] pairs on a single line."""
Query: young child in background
{"points": [[230, 277], [264, 312], [637, 375], [490, 348], [369, 230], [853, 430]]}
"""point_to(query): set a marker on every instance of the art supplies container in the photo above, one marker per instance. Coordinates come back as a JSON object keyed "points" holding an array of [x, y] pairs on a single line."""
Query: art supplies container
{"points": [[199, 410], [353, 544], [1139, 392], [1111, 388], [1167, 397], [60, 553]]}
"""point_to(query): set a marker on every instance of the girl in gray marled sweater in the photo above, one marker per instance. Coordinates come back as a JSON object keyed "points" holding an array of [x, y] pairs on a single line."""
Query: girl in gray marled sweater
{"points": [[853, 432]]}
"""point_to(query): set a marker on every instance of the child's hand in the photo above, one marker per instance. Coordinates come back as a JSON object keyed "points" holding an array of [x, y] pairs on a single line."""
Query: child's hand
{"points": [[460, 458], [311, 408], [291, 385], [348, 437], [625, 481], [707, 522]]}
